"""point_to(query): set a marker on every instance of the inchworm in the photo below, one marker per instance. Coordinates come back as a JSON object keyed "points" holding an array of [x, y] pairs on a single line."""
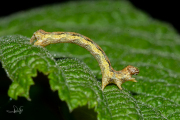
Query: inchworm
{"points": [[109, 75]]}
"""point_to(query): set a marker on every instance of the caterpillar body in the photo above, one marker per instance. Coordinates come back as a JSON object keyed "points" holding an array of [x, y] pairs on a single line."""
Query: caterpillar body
{"points": [[109, 75]]}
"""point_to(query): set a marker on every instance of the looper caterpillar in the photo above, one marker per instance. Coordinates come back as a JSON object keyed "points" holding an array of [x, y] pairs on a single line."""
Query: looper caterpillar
{"points": [[109, 75]]}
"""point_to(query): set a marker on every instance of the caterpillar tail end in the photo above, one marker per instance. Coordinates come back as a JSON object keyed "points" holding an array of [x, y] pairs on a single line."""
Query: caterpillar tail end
{"points": [[119, 77]]}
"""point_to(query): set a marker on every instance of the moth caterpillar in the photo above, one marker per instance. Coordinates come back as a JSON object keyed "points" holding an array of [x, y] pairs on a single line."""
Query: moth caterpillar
{"points": [[109, 75]]}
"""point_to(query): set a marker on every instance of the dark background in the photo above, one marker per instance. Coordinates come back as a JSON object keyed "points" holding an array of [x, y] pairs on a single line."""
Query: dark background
{"points": [[41, 92], [167, 11]]}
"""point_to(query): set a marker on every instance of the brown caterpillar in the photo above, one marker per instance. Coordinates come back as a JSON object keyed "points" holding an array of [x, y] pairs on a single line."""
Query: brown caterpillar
{"points": [[109, 75]]}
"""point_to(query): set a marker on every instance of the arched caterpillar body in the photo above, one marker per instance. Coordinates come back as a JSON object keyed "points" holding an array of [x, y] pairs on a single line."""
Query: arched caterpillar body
{"points": [[109, 75]]}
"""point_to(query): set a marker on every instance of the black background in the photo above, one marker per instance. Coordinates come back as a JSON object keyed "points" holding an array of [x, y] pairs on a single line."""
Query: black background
{"points": [[167, 11]]}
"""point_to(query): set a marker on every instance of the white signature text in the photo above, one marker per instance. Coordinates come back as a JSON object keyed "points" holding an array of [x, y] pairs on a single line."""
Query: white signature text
{"points": [[16, 110]]}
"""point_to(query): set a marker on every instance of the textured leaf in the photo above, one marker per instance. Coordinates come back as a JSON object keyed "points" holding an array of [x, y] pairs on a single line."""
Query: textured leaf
{"points": [[128, 37]]}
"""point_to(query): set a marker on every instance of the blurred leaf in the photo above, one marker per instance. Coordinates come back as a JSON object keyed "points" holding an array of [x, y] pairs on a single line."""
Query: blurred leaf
{"points": [[128, 37]]}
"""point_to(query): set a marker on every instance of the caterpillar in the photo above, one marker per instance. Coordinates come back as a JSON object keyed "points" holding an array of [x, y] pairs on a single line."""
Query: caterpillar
{"points": [[109, 75]]}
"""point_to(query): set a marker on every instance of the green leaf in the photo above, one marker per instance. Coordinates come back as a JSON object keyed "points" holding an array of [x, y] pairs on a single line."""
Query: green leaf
{"points": [[128, 37]]}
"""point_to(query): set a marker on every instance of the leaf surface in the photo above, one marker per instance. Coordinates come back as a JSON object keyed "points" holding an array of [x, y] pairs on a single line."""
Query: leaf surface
{"points": [[128, 37]]}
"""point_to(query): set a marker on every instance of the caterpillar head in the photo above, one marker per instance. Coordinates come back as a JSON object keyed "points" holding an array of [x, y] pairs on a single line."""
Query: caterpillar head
{"points": [[41, 39]]}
